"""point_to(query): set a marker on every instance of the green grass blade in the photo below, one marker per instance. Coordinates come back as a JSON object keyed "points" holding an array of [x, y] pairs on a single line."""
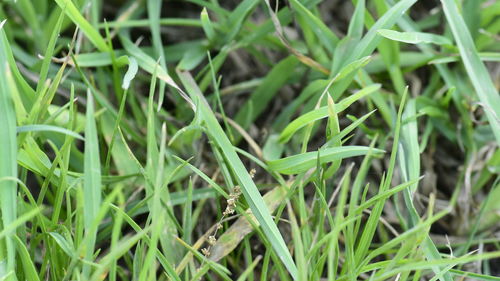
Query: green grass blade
{"points": [[485, 56], [476, 276], [92, 34], [27, 262], [302, 162], [154, 10], [8, 163], [92, 181], [122, 248], [47, 128], [356, 25], [237, 18], [207, 25], [28, 94], [409, 162], [149, 64], [63, 243], [409, 156], [249, 270], [478, 74], [49, 53], [323, 32], [371, 38], [322, 112], [415, 37], [250, 191]]}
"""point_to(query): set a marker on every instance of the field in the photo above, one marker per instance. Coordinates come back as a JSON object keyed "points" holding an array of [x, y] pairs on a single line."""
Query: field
{"points": [[249, 140]]}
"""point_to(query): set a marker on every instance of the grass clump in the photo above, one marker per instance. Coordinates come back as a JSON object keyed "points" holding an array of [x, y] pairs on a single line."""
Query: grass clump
{"points": [[249, 140]]}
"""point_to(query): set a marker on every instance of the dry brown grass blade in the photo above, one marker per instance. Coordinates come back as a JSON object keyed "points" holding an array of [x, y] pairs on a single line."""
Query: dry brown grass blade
{"points": [[230, 239]]}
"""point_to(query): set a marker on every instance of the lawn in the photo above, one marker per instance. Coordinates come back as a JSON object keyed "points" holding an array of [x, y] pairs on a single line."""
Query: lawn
{"points": [[249, 140]]}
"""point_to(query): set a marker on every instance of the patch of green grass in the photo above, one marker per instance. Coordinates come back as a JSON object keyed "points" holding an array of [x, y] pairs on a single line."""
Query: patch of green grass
{"points": [[212, 140]]}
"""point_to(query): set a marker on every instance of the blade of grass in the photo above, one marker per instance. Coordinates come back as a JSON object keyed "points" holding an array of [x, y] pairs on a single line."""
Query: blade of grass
{"points": [[8, 230], [485, 56], [371, 38], [8, 163], [322, 112], [150, 65], [415, 37], [123, 246], [28, 94], [409, 162], [161, 258], [250, 191], [47, 128], [27, 262], [237, 18], [370, 226], [91, 182], [154, 10], [92, 34], [355, 30], [207, 25], [248, 272], [478, 74], [323, 32], [49, 53], [302, 162]]}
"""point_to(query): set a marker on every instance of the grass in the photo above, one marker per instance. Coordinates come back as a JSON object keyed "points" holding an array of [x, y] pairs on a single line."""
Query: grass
{"points": [[212, 140]]}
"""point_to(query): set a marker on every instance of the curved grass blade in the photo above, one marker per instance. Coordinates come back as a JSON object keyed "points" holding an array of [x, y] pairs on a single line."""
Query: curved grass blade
{"points": [[415, 37], [28, 94], [47, 128], [302, 162], [131, 72], [8, 230], [63, 243], [149, 65], [322, 112]]}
